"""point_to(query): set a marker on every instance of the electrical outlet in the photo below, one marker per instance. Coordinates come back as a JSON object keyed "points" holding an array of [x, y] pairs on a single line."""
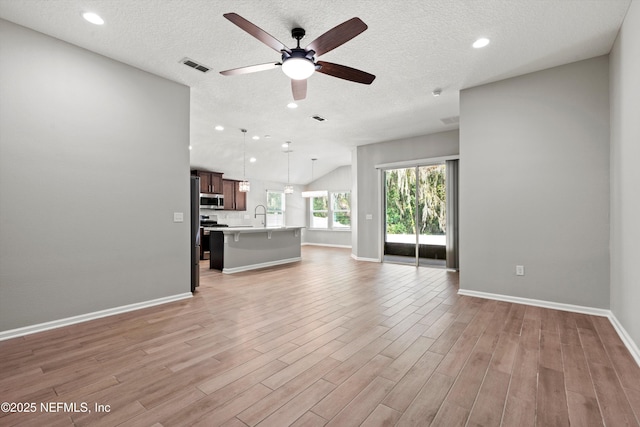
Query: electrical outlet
{"points": [[178, 217], [519, 270]]}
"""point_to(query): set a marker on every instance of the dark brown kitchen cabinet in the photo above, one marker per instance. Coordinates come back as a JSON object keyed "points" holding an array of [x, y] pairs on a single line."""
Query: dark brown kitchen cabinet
{"points": [[240, 197], [234, 200], [210, 182], [216, 182], [228, 190], [205, 181]]}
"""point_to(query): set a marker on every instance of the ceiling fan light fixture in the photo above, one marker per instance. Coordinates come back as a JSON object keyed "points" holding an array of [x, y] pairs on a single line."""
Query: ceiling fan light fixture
{"points": [[298, 68], [299, 63]]}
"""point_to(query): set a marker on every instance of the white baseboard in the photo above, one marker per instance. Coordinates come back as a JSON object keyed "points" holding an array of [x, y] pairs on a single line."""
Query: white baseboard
{"points": [[326, 245], [260, 265], [40, 327], [622, 333], [357, 258], [538, 303], [626, 338]]}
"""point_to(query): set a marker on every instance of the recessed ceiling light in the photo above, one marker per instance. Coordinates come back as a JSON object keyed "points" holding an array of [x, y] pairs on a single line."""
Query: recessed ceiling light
{"points": [[219, 127], [437, 92], [285, 145], [190, 148], [255, 137], [481, 42], [253, 160], [292, 105], [94, 18], [267, 136]]}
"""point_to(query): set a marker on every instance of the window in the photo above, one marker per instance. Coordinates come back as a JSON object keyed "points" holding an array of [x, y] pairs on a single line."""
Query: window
{"points": [[275, 208], [341, 208], [330, 211], [320, 212]]}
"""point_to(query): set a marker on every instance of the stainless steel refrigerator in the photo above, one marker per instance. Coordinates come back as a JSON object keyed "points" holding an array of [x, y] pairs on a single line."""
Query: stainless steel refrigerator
{"points": [[195, 232]]}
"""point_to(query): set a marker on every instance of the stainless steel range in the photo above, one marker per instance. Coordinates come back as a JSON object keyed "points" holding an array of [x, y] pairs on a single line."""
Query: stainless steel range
{"points": [[211, 223]]}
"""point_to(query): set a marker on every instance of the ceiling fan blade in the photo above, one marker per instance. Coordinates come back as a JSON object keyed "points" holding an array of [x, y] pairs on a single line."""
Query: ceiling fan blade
{"points": [[337, 36], [256, 32], [299, 89], [344, 72], [250, 69]]}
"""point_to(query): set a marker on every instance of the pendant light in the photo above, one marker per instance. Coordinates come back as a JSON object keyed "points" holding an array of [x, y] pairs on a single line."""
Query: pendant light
{"points": [[288, 189], [244, 185]]}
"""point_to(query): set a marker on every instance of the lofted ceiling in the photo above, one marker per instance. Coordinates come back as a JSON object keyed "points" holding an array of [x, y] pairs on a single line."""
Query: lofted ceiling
{"points": [[413, 47]]}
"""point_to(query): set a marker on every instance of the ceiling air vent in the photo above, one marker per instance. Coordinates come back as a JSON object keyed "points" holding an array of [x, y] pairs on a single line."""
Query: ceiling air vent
{"points": [[318, 118], [193, 64], [450, 120]]}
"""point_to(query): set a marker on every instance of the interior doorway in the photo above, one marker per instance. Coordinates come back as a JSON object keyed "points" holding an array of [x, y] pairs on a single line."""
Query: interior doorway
{"points": [[416, 215]]}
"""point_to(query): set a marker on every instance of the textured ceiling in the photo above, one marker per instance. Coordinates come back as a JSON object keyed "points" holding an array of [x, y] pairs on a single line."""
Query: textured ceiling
{"points": [[413, 47]]}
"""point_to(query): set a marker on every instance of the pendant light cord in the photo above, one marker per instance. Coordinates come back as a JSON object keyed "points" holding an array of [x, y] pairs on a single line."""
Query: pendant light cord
{"points": [[288, 163], [313, 161], [244, 154]]}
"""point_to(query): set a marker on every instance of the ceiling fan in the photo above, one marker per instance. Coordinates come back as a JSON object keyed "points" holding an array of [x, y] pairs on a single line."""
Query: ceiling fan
{"points": [[299, 63]]}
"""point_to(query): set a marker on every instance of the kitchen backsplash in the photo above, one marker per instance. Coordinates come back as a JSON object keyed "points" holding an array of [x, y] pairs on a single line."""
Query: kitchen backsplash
{"points": [[229, 217]]}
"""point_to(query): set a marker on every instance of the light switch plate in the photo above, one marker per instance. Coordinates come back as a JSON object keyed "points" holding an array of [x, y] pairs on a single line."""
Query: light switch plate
{"points": [[369, 216], [178, 217]]}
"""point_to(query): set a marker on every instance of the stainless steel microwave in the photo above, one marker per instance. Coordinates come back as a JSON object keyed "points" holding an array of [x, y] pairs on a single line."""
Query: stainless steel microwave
{"points": [[211, 201]]}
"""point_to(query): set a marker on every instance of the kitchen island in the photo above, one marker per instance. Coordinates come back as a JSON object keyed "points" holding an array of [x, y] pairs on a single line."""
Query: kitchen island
{"points": [[236, 249]]}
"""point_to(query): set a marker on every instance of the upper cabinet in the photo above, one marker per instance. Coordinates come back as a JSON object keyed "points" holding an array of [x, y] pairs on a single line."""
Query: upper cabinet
{"points": [[210, 182], [240, 198], [234, 200], [205, 181], [213, 183], [229, 194]]}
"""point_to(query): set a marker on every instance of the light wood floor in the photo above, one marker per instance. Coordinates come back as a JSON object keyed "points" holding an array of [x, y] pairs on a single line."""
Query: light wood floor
{"points": [[327, 341]]}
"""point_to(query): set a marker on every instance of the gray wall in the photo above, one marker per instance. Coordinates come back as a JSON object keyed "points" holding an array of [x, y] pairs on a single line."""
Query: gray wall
{"points": [[337, 180], [534, 185], [94, 161], [366, 238], [625, 174]]}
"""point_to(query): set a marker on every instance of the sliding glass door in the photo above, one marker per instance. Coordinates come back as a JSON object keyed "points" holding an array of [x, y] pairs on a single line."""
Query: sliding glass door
{"points": [[416, 215], [400, 216]]}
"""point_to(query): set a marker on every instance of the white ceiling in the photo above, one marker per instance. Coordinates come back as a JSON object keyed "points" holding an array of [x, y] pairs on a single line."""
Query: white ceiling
{"points": [[412, 46]]}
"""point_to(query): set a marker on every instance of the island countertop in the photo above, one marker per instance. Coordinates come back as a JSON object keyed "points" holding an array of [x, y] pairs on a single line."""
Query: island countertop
{"points": [[250, 229], [235, 249]]}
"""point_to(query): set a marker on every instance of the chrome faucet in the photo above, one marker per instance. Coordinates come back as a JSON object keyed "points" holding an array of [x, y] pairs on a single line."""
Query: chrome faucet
{"points": [[264, 214]]}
